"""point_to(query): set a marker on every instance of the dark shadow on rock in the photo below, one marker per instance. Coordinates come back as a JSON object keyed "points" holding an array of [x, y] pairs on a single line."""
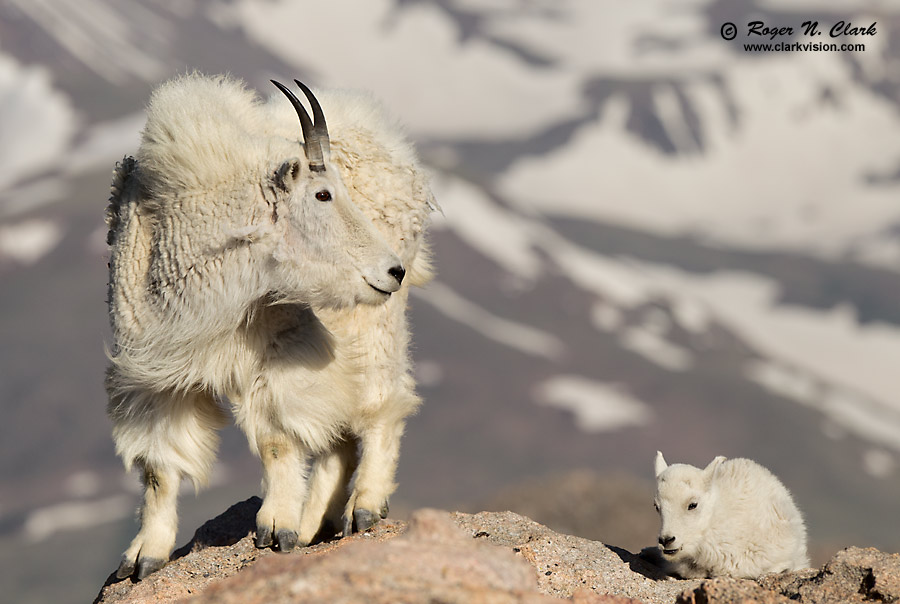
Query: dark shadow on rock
{"points": [[227, 528], [112, 578], [640, 563], [327, 533]]}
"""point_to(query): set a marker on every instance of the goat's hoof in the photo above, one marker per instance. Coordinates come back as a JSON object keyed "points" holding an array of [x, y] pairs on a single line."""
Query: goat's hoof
{"points": [[263, 536], [364, 519], [287, 540], [348, 526], [385, 508], [148, 566], [126, 568]]}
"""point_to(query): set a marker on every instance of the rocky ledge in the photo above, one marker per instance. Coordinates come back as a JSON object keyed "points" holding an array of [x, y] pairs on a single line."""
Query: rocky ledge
{"points": [[491, 557]]}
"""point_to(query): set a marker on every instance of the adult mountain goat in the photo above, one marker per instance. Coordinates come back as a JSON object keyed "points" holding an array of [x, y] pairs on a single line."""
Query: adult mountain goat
{"points": [[253, 270]]}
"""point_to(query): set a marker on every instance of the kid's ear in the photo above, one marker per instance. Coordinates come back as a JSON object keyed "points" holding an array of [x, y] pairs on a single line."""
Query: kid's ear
{"points": [[287, 173], [660, 464], [713, 466]]}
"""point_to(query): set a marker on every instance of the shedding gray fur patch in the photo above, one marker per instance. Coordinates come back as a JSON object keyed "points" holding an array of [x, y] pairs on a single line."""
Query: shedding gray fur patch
{"points": [[121, 176]]}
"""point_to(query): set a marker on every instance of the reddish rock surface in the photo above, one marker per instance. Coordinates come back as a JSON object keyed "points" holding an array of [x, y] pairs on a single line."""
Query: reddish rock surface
{"points": [[490, 557]]}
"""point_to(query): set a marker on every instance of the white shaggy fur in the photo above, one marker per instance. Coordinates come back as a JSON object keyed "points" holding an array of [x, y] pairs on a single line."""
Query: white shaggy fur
{"points": [[732, 518], [232, 283]]}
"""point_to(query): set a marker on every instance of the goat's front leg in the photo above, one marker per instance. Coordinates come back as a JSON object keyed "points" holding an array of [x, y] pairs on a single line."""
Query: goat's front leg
{"points": [[328, 491], [284, 488], [149, 551], [374, 479]]}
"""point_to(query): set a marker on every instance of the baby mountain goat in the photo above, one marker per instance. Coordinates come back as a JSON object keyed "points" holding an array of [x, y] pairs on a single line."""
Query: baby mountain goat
{"points": [[253, 270], [732, 518]]}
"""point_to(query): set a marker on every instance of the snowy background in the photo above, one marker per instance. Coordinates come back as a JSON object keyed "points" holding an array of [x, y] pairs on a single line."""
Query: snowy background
{"points": [[652, 240]]}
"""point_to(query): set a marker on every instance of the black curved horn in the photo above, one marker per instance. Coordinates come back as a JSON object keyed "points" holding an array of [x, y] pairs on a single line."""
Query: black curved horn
{"points": [[312, 138], [319, 125]]}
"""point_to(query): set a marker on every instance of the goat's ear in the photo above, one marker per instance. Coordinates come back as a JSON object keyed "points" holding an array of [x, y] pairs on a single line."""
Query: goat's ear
{"points": [[660, 464], [287, 173], [713, 466]]}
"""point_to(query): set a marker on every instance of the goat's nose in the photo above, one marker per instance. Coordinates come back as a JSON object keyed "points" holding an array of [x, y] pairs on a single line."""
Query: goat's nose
{"points": [[397, 272], [666, 541]]}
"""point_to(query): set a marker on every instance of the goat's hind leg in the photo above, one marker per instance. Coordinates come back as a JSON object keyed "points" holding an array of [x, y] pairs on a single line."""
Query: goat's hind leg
{"points": [[149, 550], [168, 436]]}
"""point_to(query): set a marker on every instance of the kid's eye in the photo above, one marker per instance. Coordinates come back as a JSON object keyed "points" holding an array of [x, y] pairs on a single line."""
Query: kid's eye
{"points": [[692, 505], [323, 195], [656, 507]]}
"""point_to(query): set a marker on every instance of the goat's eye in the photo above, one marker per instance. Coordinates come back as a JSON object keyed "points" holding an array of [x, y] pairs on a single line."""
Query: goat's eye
{"points": [[323, 195], [656, 507], [692, 505]]}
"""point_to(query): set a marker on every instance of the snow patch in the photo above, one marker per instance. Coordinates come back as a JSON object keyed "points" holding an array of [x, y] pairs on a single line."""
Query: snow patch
{"points": [[445, 88], [691, 315], [653, 347], [595, 37], [793, 172], [117, 40], [83, 484], [606, 317], [789, 382], [107, 142], [498, 234], [845, 410], [829, 343], [523, 338], [29, 241], [614, 279], [656, 321], [32, 195], [597, 406], [822, 358], [74, 515], [37, 121]]}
